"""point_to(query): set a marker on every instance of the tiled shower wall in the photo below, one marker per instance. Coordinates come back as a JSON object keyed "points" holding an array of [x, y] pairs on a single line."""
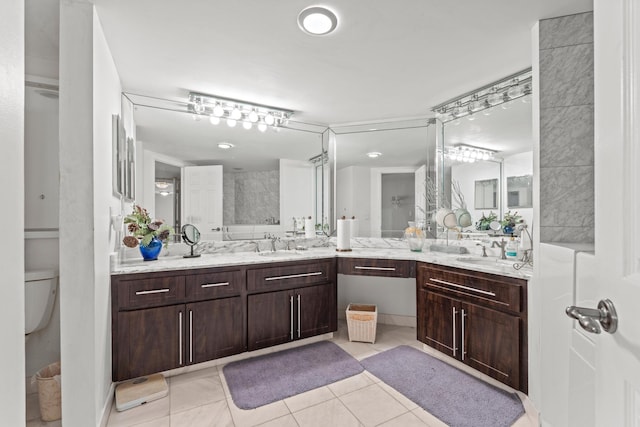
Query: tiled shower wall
{"points": [[566, 129], [251, 197]]}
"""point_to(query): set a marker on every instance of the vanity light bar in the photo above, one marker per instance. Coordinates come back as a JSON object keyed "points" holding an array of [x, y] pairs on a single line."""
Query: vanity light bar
{"points": [[468, 154], [517, 85], [233, 110]]}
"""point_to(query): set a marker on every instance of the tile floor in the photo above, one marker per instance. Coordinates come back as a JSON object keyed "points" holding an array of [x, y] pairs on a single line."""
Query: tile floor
{"points": [[201, 399]]}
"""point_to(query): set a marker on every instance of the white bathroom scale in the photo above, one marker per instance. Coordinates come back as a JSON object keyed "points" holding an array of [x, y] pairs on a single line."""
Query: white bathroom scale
{"points": [[140, 391]]}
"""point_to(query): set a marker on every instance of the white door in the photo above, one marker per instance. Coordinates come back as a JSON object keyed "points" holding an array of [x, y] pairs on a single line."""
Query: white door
{"points": [[202, 200], [617, 193]]}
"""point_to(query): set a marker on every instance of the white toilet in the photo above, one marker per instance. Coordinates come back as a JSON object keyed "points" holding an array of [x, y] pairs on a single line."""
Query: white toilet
{"points": [[40, 287]]}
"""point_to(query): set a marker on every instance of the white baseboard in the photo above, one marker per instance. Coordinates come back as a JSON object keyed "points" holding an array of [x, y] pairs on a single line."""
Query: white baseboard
{"points": [[106, 409]]}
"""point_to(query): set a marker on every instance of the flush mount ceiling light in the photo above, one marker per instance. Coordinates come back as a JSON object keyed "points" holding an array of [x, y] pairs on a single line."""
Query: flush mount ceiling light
{"points": [[374, 154], [225, 145], [500, 92], [317, 21], [162, 184], [234, 111]]}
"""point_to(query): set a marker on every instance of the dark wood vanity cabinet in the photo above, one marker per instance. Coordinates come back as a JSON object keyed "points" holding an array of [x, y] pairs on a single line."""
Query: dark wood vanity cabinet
{"points": [[477, 318], [377, 267], [162, 321], [167, 320], [291, 301]]}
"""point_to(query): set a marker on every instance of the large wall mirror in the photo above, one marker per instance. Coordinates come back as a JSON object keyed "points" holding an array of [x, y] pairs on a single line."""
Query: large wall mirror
{"points": [[232, 183], [380, 174], [503, 182]]}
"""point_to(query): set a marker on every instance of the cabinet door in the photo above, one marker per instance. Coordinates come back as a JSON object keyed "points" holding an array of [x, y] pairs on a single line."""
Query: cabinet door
{"points": [[316, 310], [214, 329], [149, 341], [270, 319], [441, 323], [491, 343]]}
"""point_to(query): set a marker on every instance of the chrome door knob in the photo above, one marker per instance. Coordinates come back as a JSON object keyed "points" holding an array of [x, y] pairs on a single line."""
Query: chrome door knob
{"points": [[594, 320]]}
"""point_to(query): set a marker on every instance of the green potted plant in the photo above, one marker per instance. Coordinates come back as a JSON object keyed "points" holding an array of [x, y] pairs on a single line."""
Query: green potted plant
{"points": [[149, 234], [509, 221], [485, 220]]}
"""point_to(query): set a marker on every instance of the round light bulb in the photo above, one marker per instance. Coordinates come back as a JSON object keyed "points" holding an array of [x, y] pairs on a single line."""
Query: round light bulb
{"points": [[262, 127], [214, 120], [485, 156], [198, 108], [247, 125], [236, 114], [218, 111], [231, 122], [269, 119], [253, 116]]}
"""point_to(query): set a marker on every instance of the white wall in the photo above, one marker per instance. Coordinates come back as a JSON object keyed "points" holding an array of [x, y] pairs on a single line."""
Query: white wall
{"points": [[467, 174], [12, 392], [89, 95], [353, 196], [394, 296], [297, 191], [518, 165]]}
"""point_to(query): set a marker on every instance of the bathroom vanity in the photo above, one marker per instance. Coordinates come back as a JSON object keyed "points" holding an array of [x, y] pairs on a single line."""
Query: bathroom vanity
{"points": [[176, 313], [171, 319], [477, 318]]}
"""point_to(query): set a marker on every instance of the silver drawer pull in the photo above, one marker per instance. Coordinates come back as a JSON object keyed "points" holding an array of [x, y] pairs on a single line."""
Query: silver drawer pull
{"points": [[213, 285], [155, 291], [358, 267], [480, 291], [293, 276]]}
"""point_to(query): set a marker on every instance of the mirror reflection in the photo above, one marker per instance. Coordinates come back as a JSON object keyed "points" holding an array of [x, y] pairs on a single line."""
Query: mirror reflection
{"points": [[380, 175], [229, 182], [508, 133]]}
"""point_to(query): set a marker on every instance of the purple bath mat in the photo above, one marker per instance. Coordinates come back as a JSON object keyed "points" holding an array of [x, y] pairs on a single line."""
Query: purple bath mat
{"points": [[455, 397], [265, 379]]}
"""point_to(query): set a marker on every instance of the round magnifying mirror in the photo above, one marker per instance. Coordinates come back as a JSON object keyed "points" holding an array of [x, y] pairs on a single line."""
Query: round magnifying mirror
{"points": [[191, 236], [495, 226]]}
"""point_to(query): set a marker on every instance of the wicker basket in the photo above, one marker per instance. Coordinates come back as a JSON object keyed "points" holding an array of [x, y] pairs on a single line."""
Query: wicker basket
{"points": [[361, 322]]}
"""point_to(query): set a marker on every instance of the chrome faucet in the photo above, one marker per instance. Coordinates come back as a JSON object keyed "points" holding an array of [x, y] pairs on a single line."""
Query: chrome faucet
{"points": [[484, 249], [273, 243], [501, 245]]}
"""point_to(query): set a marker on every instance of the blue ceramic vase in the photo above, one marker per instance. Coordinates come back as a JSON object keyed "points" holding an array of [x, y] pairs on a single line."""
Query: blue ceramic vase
{"points": [[152, 250]]}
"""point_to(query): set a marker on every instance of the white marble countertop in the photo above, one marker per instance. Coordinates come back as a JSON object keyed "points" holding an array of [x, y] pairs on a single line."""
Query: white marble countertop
{"points": [[168, 263]]}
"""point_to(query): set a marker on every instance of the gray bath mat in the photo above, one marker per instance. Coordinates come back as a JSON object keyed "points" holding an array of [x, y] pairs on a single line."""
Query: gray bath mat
{"points": [[455, 397], [265, 379]]}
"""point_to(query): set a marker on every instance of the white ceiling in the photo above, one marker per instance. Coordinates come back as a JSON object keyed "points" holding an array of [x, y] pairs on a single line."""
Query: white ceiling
{"points": [[387, 59]]}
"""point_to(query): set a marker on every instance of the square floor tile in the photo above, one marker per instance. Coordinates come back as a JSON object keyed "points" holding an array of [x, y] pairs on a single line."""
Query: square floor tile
{"points": [[330, 413], [195, 389], [404, 420], [350, 384], [210, 415], [309, 398], [372, 405]]}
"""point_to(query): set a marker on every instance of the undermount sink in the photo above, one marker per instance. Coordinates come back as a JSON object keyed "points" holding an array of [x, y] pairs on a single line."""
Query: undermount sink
{"points": [[493, 262]]}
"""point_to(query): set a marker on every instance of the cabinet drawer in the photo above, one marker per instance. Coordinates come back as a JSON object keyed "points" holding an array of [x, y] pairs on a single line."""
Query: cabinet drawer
{"points": [[376, 267], [150, 292], [215, 284], [290, 275], [503, 293]]}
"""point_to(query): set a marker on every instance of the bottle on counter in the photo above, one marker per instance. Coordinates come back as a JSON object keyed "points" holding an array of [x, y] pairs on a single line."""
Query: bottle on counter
{"points": [[511, 250]]}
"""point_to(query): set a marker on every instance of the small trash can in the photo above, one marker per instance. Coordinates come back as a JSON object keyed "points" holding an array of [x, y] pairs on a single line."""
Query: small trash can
{"points": [[361, 322], [48, 380]]}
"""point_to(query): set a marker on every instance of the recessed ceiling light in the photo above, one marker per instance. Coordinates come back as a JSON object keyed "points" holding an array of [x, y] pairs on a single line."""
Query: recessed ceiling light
{"points": [[374, 154], [225, 145], [317, 21]]}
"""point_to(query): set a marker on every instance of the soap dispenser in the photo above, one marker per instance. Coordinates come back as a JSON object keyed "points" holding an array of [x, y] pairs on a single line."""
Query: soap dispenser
{"points": [[511, 250]]}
